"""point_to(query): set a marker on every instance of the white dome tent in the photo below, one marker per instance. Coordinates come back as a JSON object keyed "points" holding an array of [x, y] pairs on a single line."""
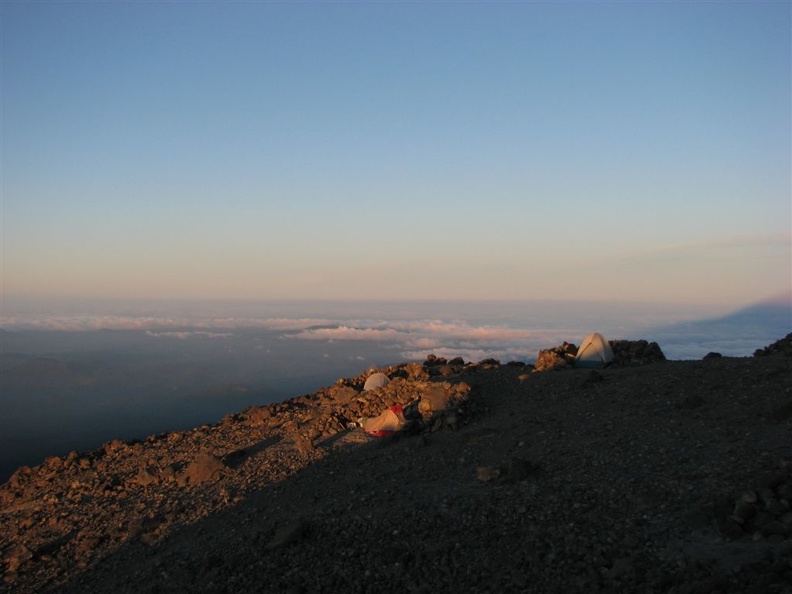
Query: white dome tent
{"points": [[594, 352], [376, 380]]}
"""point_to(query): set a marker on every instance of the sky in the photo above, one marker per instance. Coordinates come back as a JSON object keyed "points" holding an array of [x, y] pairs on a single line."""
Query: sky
{"points": [[614, 151]]}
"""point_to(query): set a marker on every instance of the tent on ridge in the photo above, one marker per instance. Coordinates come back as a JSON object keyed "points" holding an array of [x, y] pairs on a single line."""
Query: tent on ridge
{"points": [[594, 352], [376, 380]]}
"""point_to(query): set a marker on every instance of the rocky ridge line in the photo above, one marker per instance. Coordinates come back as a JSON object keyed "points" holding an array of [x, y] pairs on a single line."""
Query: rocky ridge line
{"points": [[73, 510]]}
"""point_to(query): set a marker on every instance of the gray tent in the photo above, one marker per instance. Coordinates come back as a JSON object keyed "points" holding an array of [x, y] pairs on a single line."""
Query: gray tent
{"points": [[376, 380], [594, 352]]}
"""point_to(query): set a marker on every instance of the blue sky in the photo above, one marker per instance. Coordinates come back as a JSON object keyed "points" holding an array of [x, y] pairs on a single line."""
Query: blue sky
{"points": [[615, 151]]}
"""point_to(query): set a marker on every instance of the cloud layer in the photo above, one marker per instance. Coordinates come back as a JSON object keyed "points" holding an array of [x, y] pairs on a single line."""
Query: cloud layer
{"points": [[506, 331]]}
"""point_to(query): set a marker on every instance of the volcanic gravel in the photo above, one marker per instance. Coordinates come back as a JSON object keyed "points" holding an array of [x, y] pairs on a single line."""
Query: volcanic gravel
{"points": [[671, 477]]}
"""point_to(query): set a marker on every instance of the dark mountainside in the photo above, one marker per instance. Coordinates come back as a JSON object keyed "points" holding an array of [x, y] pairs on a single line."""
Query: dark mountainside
{"points": [[647, 476]]}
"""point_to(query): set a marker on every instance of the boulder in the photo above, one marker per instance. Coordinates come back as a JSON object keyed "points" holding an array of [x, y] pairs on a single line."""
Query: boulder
{"points": [[257, 415], [146, 475], [551, 359], [205, 467], [629, 353], [342, 394]]}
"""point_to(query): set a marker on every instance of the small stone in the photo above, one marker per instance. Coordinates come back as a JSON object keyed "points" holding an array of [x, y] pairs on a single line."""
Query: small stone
{"points": [[146, 475], [113, 446], [18, 556], [621, 567], [743, 512], [766, 496], [30, 521], [731, 529], [486, 474], [134, 528], [784, 491], [593, 377], [694, 401], [517, 470], [288, 533], [762, 518], [775, 528]]}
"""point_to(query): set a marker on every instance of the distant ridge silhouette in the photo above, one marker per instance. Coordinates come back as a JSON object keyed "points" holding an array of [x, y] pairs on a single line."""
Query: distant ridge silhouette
{"points": [[770, 315], [735, 334]]}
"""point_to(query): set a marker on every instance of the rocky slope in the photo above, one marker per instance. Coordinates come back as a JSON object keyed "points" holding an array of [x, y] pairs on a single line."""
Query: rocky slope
{"points": [[664, 477]]}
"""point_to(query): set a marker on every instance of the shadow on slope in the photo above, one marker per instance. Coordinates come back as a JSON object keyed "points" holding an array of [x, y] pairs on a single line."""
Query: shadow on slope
{"points": [[735, 335]]}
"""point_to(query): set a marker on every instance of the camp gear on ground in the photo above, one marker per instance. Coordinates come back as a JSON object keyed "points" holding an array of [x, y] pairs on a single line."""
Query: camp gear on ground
{"points": [[389, 421]]}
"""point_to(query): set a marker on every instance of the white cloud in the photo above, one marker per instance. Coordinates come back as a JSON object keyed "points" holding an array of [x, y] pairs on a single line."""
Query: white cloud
{"points": [[348, 333], [183, 335], [88, 322], [415, 339], [514, 331]]}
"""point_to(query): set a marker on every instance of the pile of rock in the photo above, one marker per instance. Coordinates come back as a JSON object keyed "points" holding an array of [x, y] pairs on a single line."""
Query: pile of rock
{"points": [[558, 357], [762, 513], [782, 346], [627, 353], [334, 409], [435, 365], [410, 384]]}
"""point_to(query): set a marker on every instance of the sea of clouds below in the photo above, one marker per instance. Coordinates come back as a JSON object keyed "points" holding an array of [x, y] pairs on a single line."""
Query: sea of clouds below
{"points": [[471, 330], [408, 339]]}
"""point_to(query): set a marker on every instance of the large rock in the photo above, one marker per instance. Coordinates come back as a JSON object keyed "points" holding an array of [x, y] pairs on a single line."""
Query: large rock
{"points": [[554, 358], [257, 415], [205, 467], [342, 394], [628, 353]]}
